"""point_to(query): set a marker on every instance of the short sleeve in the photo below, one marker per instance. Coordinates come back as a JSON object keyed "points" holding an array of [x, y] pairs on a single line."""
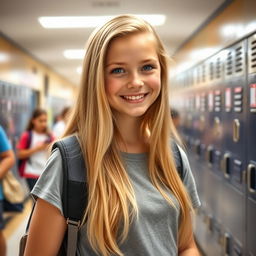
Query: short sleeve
{"points": [[22, 144], [4, 143], [189, 180], [49, 185]]}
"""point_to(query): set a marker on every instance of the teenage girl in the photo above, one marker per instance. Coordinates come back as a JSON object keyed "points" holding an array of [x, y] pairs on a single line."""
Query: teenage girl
{"points": [[32, 147], [137, 203]]}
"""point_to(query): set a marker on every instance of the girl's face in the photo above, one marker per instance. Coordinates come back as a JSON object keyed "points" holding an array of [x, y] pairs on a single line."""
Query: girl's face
{"points": [[40, 123], [132, 74]]}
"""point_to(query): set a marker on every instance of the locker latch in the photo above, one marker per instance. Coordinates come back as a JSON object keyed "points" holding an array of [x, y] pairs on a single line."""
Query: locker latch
{"points": [[226, 165], [236, 130], [251, 178], [226, 244]]}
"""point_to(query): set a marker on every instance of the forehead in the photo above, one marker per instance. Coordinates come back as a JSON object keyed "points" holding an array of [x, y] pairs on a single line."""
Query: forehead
{"points": [[42, 116], [138, 45]]}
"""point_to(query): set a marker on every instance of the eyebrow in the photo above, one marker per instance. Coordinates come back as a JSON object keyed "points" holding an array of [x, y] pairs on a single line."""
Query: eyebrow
{"points": [[123, 63], [115, 63]]}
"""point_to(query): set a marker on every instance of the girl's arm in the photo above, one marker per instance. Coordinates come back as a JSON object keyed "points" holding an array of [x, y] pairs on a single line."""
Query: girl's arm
{"points": [[191, 248], [7, 160], [26, 153], [46, 231]]}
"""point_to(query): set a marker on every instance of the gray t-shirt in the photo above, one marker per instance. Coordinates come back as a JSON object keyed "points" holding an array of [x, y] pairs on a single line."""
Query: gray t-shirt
{"points": [[156, 229]]}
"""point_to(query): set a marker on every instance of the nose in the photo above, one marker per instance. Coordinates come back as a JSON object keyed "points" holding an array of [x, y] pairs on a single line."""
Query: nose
{"points": [[135, 80]]}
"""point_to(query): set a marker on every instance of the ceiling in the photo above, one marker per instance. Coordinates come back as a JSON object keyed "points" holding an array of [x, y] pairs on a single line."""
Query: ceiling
{"points": [[19, 22]]}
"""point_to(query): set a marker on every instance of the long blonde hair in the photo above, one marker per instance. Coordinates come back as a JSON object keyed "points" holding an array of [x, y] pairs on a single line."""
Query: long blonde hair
{"points": [[111, 200]]}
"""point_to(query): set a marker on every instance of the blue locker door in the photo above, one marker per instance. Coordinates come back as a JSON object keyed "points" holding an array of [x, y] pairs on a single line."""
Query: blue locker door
{"points": [[233, 209], [251, 145]]}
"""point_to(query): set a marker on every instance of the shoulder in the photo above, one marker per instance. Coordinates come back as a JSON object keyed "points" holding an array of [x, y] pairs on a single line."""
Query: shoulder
{"points": [[25, 135], [184, 157], [189, 180], [4, 143], [2, 133], [49, 185], [55, 158], [23, 141], [185, 165]]}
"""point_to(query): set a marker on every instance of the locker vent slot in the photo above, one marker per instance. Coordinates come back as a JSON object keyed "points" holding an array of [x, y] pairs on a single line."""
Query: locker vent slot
{"points": [[203, 73], [191, 76], [218, 68], [239, 60], [211, 70], [252, 54], [229, 64], [198, 74]]}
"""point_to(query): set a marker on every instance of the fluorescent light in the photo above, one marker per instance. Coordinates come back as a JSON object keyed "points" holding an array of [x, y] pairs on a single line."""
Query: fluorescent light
{"points": [[79, 70], [250, 27], [203, 53], [233, 30], [154, 19], [4, 57], [91, 21], [74, 54]]}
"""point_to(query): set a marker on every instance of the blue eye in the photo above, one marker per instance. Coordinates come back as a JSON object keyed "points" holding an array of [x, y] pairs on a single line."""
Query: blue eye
{"points": [[117, 71], [147, 67]]}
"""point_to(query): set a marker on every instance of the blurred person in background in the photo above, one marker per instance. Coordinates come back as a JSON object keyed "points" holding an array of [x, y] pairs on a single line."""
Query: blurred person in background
{"points": [[32, 148], [175, 118], [7, 160], [60, 125]]}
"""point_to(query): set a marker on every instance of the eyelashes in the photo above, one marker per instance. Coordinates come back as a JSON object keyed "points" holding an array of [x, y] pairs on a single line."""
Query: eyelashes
{"points": [[117, 71], [120, 70], [148, 67]]}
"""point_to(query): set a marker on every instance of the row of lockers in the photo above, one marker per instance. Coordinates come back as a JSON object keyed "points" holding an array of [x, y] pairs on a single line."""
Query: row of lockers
{"points": [[219, 128], [227, 63]]}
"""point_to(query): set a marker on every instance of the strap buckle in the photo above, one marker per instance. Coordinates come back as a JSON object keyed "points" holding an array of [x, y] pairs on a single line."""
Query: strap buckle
{"points": [[73, 222]]}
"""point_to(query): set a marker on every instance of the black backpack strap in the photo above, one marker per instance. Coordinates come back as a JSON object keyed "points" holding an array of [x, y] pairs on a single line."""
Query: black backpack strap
{"points": [[178, 159], [74, 196]]}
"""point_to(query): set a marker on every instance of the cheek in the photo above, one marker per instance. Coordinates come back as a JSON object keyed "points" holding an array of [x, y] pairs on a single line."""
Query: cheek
{"points": [[112, 86], [155, 83], [35, 122]]}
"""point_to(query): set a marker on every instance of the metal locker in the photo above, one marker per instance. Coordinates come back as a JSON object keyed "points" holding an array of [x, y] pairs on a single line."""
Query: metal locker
{"points": [[234, 158], [210, 146], [251, 149]]}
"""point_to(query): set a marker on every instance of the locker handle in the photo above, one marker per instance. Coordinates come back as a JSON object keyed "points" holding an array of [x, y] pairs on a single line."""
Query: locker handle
{"points": [[236, 130], [250, 177], [226, 244], [210, 154], [217, 126], [226, 165]]}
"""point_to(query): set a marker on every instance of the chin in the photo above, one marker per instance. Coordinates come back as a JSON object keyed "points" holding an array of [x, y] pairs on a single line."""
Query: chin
{"points": [[137, 114]]}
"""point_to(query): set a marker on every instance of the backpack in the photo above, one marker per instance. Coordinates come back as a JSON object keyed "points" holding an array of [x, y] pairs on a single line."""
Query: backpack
{"points": [[74, 191], [22, 162]]}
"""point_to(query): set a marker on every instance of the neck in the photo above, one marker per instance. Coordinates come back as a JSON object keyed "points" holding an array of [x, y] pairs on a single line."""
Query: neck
{"points": [[38, 131], [132, 141]]}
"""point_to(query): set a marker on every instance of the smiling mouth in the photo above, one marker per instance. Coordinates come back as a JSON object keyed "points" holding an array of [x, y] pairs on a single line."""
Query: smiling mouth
{"points": [[134, 98]]}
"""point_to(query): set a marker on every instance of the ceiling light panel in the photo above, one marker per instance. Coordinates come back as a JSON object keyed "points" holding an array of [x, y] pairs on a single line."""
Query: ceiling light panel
{"points": [[74, 54], [91, 21]]}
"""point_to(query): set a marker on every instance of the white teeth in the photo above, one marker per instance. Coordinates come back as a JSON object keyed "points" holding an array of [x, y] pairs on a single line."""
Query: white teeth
{"points": [[138, 97]]}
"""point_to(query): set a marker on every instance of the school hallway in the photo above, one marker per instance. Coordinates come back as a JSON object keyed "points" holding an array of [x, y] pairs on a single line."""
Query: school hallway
{"points": [[15, 228], [51, 65]]}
